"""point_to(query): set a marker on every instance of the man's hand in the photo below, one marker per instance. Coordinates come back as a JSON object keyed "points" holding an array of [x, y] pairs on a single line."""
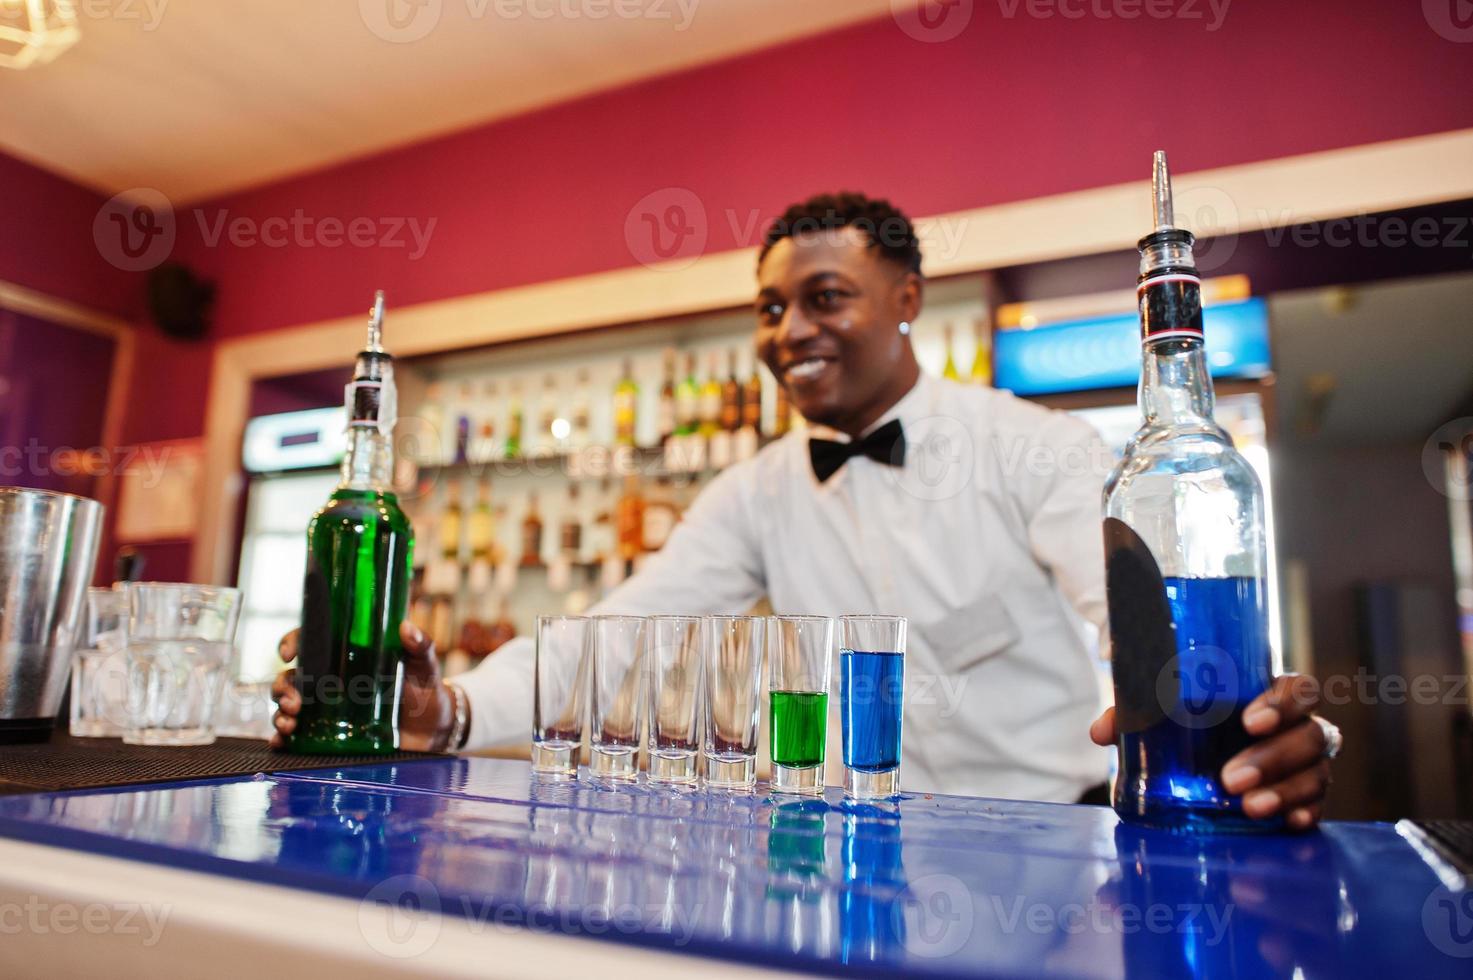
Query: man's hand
{"points": [[1286, 770], [425, 714]]}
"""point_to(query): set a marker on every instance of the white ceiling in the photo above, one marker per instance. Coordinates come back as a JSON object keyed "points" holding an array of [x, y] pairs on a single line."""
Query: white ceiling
{"points": [[199, 97], [1397, 355]]}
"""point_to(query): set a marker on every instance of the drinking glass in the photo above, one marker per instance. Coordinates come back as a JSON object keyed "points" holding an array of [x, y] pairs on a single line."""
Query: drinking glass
{"points": [[618, 696], [180, 639], [733, 706], [100, 667], [673, 661], [559, 692], [872, 676], [800, 671]]}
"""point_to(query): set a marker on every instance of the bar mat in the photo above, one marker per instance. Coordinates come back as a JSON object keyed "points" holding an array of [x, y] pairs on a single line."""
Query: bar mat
{"points": [[1453, 839], [67, 763]]}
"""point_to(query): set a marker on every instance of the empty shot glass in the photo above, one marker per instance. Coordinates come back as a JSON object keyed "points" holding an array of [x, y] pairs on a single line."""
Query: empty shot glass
{"points": [[100, 667], [559, 693], [733, 705], [617, 703], [801, 652], [673, 665], [871, 703], [181, 638]]}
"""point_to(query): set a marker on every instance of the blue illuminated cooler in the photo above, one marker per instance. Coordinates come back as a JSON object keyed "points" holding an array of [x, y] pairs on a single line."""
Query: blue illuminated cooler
{"points": [[933, 885]]}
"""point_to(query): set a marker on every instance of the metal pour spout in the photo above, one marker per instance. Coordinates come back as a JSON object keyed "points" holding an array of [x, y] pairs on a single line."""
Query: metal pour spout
{"points": [[1161, 192], [376, 323]]}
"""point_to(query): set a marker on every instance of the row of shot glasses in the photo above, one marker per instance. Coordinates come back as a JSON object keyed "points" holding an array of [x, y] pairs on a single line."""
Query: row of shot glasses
{"points": [[690, 689]]}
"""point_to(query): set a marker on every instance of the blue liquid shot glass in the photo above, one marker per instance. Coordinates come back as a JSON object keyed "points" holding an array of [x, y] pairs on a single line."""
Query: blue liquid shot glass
{"points": [[871, 703]]}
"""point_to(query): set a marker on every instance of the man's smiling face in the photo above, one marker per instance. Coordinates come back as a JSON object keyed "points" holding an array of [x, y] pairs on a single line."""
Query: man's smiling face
{"points": [[829, 306]]}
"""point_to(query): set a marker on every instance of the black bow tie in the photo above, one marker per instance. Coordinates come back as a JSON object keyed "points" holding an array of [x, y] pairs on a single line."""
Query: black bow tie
{"points": [[884, 445]]}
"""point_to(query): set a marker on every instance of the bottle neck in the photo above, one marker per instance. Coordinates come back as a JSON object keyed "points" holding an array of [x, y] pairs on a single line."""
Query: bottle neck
{"points": [[1176, 386], [369, 464]]}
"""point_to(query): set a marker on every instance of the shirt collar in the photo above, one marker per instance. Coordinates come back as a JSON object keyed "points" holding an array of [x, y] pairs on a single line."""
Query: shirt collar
{"points": [[907, 410]]}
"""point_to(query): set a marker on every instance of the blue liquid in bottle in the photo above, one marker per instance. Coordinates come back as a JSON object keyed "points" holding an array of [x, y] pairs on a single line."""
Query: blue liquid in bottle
{"points": [[1169, 772], [871, 708]]}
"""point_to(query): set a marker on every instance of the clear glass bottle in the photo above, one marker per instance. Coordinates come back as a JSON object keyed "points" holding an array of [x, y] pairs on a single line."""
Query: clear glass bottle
{"points": [[1186, 565], [360, 553]]}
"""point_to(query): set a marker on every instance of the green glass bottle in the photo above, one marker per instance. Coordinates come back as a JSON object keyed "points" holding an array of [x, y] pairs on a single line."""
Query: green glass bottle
{"points": [[360, 550]]}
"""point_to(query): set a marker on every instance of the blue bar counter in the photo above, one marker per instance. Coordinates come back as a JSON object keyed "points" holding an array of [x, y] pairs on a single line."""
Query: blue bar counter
{"points": [[925, 885]]}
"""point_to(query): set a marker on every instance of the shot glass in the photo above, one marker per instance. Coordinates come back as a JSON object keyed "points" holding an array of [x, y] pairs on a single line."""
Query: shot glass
{"points": [[871, 703], [180, 640], [100, 667], [559, 693], [673, 663], [733, 705], [800, 670], [617, 704]]}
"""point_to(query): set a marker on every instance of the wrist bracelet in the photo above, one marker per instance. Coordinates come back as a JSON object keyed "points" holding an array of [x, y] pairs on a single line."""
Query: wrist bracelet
{"points": [[459, 726]]}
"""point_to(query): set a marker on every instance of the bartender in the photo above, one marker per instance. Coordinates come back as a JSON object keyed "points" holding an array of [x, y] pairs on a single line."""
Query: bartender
{"points": [[973, 513]]}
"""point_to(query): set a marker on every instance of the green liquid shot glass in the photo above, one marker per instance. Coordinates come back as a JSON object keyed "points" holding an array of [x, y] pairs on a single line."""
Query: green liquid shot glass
{"points": [[800, 668]]}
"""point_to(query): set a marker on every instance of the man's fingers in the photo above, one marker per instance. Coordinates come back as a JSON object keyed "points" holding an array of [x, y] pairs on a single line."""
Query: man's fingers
{"points": [[284, 692], [1304, 817], [1275, 758], [287, 648], [1289, 699], [420, 664], [1102, 729], [1301, 789], [286, 724]]}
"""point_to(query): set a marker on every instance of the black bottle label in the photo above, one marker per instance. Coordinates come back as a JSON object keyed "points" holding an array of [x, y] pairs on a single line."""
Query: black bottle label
{"points": [[1142, 639], [1171, 305]]}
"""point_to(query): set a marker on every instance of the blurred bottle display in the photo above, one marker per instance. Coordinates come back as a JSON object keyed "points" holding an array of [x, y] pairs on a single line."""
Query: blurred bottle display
{"points": [[481, 530], [514, 423], [782, 416], [666, 416], [629, 520], [710, 408], [948, 370], [486, 437], [570, 535], [435, 434], [752, 401], [356, 589], [547, 422], [463, 423], [731, 395], [982, 359], [688, 399], [660, 515], [532, 533], [450, 524], [626, 406], [580, 432]]}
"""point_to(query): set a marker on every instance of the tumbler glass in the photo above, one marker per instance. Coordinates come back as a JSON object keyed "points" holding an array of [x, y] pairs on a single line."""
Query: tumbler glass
{"points": [[617, 704], [559, 693], [100, 667], [734, 647], [673, 662], [871, 703], [799, 675], [180, 640]]}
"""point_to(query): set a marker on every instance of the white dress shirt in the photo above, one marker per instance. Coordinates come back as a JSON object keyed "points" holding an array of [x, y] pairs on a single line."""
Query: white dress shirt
{"points": [[987, 539]]}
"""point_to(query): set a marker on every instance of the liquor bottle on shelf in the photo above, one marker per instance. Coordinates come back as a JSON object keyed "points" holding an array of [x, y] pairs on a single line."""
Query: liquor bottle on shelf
{"points": [[948, 370], [580, 424], [481, 528], [626, 406], [665, 419], [1186, 564], [486, 448], [659, 517], [548, 438], [451, 525], [463, 423], [710, 408], [752, 401], [514, 422], [981, 373], [435, 433], [532, 534], [570, 534], [601, 539], [629, 520], [731, 395], [359, 564], [688, 399]]}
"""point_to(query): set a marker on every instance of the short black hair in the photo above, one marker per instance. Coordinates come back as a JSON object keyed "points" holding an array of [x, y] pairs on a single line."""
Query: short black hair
{"points": [[886, 226]]}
